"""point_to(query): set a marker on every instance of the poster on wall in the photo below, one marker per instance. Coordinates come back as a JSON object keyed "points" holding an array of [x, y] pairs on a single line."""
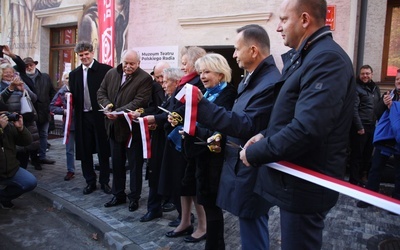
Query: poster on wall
{"points": [[151, 55]]}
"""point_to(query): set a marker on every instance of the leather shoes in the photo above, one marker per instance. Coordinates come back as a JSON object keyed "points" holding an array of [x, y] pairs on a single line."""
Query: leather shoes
{"points": [[133, 205], [150, 216], [115, 202], [46, 161], [106, 188], [89, 189], [191, 239], [168, 207], [177, 221], [187, 231]]}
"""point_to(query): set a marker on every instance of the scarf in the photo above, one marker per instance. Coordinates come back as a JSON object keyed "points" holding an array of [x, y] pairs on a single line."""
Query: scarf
{"points": [[34, 75], [212, 93], [186, 78]]}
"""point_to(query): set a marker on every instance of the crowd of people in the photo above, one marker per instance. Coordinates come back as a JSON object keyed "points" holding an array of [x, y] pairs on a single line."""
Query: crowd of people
{"points": [[314, 113]]}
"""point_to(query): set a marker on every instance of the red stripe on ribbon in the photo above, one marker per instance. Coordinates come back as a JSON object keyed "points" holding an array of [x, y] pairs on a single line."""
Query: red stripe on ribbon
{"points": [[188, 95], [368, 196]]}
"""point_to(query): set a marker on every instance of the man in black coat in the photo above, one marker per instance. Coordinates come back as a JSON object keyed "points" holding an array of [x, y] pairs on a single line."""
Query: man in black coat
{"points": [[90, 133], [309, 124], [249, 115]]}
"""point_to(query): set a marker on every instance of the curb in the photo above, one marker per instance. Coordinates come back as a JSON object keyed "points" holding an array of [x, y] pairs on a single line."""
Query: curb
{"points": [[108, 235]]}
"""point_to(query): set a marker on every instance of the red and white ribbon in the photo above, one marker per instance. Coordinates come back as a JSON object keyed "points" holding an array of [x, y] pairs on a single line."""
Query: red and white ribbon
{"points": [[188, 95], [68, 117], [128, 119], [144, 131], [368, 196]]}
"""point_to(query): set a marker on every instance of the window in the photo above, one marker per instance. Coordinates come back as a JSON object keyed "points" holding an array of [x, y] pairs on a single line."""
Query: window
{"points": [[62, 56], [391, 47]]}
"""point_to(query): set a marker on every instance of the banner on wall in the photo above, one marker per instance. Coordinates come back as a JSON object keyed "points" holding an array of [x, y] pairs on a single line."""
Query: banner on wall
{"points": [[106, 9], [151, 55]]}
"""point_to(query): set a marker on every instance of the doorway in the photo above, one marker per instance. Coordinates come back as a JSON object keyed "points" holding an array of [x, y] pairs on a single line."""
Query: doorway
{"points": [[227, 52]]}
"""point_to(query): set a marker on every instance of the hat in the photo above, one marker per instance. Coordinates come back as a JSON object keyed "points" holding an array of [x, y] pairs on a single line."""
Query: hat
{"points": [[28, 60]]}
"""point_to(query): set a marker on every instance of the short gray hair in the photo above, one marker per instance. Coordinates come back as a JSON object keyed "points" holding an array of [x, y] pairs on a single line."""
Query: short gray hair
{"points": [[173, 73]]}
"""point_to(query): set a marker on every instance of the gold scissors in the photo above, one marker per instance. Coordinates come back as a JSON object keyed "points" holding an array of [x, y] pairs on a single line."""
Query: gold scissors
{"points": [[213, 146], [177, 117]]}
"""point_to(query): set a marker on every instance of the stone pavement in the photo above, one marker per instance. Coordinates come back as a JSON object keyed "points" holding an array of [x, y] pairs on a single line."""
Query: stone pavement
{"points": [[347, 227]]}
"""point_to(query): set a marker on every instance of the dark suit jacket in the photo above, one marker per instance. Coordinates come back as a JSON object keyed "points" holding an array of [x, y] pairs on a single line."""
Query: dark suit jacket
{"points": [[95, 76]]}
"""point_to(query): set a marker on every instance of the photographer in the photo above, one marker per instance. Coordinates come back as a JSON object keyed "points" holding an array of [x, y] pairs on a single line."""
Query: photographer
{"points": [[14, 180]]}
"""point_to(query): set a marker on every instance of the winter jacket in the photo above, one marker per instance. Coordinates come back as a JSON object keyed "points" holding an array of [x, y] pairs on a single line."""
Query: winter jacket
{"points": [[309, 125], [10, 137], [133, 94], [45, 92], [59, 104], [365, 105]]}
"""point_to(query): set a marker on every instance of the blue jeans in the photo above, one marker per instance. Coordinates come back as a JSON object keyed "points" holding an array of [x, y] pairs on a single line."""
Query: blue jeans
{"points": [[302, 231], [254, 233], [43, 129], [23, 181], [375, 173], [70, 152]]}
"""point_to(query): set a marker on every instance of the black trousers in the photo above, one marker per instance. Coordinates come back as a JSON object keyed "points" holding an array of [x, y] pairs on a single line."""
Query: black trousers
{"points": [[90, 140], [120, 153]]}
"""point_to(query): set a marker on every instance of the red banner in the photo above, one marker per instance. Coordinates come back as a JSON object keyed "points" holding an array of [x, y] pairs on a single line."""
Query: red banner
{"points": [[106, 9]]}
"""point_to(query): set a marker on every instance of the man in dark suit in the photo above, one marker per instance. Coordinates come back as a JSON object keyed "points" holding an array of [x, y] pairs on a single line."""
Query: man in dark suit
{"points": [[126, 87], [90, 133], [250, 114], [309, 125]]}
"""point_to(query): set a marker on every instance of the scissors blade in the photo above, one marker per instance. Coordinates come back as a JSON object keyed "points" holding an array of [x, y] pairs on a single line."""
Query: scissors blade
{"points": [[201, 143], [165, 110], [233, 145]]}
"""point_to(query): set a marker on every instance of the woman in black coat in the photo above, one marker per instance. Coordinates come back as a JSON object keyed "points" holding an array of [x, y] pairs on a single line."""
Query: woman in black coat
{"points": [[215, 74]]}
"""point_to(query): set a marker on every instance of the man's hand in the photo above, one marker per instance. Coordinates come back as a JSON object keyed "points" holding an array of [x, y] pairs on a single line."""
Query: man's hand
{"points": [[7, 51], [19, 124], [111, 116], [242, 156], [108, 107], [150, 120], [361, 131], [134, 115], [387, 99], [251, 141], [3, 120]]}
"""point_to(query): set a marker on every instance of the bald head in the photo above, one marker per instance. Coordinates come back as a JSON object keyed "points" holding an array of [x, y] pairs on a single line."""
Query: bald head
{"points": [[158, 71]]}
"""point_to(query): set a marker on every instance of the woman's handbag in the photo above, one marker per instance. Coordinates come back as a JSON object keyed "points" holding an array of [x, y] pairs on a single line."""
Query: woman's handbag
{"points": [[28, 111]]}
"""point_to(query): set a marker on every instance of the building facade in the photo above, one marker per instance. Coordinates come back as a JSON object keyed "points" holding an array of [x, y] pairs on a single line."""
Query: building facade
{"points": [[47, 30]]}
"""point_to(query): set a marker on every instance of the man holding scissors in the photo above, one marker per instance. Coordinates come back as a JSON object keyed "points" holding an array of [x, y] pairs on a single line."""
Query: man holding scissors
{"points": [[250, 114], [125, 88]]}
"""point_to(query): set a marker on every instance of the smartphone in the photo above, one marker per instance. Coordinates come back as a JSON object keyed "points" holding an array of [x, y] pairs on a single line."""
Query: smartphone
{"points": [[1, 50]]}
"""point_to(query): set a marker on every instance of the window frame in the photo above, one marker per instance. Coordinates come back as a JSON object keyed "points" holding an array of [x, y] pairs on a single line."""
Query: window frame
{"points": [[391, 4]]}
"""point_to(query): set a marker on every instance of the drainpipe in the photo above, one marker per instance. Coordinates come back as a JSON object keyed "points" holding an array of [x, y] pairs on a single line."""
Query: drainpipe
{"points": [[361, 34]]}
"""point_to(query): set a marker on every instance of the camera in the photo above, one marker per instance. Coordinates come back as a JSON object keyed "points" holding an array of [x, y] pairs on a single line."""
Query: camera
{"points": [[12, 117]]}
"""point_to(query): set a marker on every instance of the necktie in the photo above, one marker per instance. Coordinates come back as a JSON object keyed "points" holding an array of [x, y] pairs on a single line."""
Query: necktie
{"points": [[87, 105]]}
